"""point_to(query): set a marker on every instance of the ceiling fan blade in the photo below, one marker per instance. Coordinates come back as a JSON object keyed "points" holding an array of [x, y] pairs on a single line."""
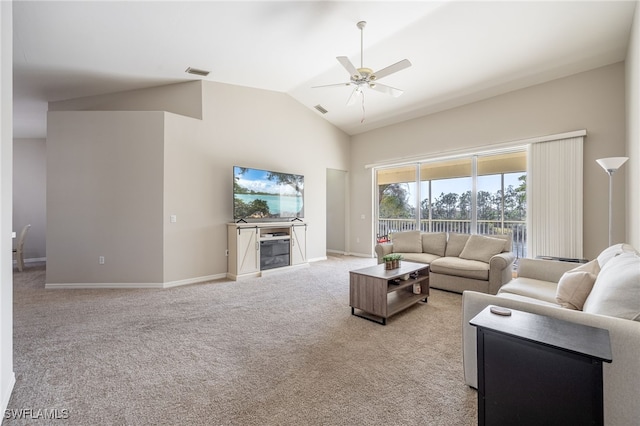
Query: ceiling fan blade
{"points": [[346, 63], [386, 89], [333, 85], [354, 96], [398, 66]]}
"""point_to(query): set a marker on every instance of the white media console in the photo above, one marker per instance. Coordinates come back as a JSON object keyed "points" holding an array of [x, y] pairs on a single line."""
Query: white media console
{"points": [[258, 247]]}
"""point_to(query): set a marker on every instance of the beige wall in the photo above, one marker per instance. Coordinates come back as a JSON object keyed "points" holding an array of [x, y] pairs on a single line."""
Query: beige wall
{"points": [[104, 197], [192, 242], [633, 133], [244, 127], [179, 98], [7, 376], [29, 194], [240, 126], [593, 100], [269, 130], [337, 199]]}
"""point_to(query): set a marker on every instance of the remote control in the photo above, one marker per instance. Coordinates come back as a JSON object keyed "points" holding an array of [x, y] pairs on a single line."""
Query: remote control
{"points": [[500, 311]]}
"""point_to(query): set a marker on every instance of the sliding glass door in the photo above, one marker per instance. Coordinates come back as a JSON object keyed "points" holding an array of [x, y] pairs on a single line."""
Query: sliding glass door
{"points": [[397, 200], [502, 197], [449, 200], [479, 194]]}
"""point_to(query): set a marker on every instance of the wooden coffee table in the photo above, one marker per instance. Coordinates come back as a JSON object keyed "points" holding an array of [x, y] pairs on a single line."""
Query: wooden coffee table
{"points": [[382, 293]]}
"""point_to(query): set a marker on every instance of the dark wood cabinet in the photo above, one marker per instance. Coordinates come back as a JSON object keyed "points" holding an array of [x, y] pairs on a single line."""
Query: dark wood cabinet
{"points": [[538, 370]]}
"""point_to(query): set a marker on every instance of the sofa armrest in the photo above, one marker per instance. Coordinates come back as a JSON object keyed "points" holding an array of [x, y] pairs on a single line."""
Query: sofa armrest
{"points": [[382, 250], [620, 377], [544, 270], [500, 270]]}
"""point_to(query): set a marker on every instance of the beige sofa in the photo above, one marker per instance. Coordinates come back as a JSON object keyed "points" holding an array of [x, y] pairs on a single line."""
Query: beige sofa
{"points": [[458, 262], [604, 293]]}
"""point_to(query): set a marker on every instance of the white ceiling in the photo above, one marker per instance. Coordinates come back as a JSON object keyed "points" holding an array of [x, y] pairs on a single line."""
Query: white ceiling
{"points": [[461, 51]]}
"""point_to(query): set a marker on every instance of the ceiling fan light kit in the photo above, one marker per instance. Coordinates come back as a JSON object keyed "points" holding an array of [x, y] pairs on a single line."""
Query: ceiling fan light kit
{"points": [[366, 77]]}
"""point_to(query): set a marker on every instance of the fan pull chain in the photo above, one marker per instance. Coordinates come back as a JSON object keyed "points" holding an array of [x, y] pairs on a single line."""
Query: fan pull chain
{"points": [[362, 93]]}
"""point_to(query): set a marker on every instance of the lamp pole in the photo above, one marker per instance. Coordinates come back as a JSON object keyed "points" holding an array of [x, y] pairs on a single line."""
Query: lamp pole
{"points": [[610, 173], [611, 165]]}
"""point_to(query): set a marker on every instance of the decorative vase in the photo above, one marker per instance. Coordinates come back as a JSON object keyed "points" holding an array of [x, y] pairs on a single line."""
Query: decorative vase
{"points": [[388, 264]]}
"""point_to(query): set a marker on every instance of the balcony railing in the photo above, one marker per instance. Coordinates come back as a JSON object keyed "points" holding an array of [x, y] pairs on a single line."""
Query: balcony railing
{"points": [[517, 228]]}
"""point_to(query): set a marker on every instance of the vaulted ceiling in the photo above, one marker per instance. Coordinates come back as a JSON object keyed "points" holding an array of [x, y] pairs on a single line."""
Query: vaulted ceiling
{"points": [[460, 51]]}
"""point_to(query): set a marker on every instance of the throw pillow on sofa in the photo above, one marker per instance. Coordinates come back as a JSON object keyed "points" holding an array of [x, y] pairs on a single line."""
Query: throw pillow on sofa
{"points": [[455, 244], [616, 292], [612, 251], [575, 285], [482, 248], [407, 242], [434, 243]]}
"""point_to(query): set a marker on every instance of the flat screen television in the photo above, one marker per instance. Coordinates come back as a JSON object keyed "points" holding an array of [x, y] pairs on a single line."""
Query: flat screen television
{"points": [[267, 195]]}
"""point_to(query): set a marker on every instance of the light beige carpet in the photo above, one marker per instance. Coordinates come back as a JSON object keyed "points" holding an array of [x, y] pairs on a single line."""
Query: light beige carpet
{"points": [[277, 350]]}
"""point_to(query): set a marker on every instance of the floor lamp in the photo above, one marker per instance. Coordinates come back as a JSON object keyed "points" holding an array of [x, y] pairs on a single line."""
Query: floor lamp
{"points": [[610, 165]]}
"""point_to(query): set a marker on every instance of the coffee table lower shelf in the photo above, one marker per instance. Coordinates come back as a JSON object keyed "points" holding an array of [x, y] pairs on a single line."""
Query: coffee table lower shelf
{"points": [[395, 306], [376, 294]]}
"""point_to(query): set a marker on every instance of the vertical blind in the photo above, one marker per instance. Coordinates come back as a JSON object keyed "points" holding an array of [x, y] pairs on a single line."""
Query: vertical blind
{"points": [[554, 198]]}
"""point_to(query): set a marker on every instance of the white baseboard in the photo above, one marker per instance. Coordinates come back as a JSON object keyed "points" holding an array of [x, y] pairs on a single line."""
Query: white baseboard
{"points": [[32, 260], [6, 393], [317, 259], [168, 284], [67, 286], [346, 253], [243, 276], [340, 252], [360, 255], [194, 280]]}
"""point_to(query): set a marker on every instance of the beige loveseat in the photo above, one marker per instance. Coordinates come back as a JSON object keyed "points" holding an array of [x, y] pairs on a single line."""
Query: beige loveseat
{"points": [[458, 262], [603, 293]]}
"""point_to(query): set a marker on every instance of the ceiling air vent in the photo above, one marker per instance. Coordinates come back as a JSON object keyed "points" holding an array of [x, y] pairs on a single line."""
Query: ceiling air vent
{"points": [[196, 71], [321, 109]]}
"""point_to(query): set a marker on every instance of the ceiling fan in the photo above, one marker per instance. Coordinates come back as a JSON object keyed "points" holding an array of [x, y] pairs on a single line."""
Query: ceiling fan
{"points": [[365, 77]]}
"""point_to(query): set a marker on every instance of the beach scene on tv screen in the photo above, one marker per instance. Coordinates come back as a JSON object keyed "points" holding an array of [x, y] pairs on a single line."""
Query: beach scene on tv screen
{"points": [[262, 194]]}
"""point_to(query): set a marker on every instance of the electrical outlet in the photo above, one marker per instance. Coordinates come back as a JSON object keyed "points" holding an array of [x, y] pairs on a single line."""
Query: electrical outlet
{"points": [[101, 260], [173, 218]]}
